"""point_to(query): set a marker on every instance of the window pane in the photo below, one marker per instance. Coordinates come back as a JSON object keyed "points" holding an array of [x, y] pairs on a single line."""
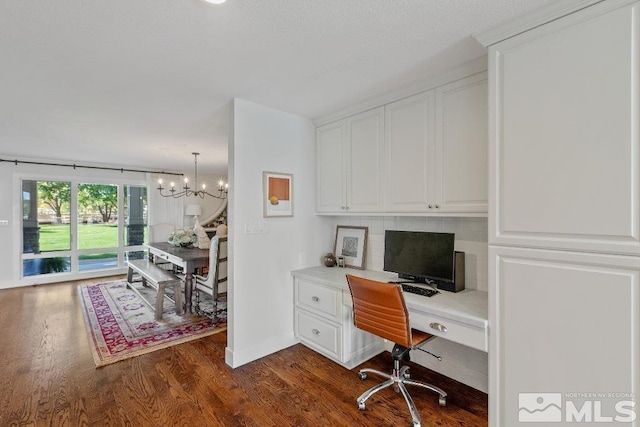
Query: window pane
{"points": [[97, 261], [131, 255], [33, 267], [135, 207], [97, 216], [45, 216]]}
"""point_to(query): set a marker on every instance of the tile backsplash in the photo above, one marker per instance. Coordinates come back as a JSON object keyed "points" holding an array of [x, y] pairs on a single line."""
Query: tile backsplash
{"points": [[471, 238]]}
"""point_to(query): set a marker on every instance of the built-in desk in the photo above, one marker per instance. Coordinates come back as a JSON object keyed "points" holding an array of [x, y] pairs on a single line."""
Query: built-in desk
{"points": [[324, 319]]}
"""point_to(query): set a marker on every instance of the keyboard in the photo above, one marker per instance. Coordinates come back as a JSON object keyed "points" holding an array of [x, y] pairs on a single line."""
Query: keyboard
{"points": [[419, 290]]}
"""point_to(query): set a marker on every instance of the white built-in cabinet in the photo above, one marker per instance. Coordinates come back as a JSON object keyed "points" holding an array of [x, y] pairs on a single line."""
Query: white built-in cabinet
{"points": [[561, 322], [566, 152], [426, 153], [350, 161], [436, 145], [323, 320], [564, 211]]}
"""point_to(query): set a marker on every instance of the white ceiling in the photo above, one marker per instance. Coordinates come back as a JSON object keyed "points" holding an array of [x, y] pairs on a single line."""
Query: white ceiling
{"points": [[146, 82]]}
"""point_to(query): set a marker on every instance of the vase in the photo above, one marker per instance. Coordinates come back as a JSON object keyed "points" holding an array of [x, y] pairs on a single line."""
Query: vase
{"points": [[329, 260]]}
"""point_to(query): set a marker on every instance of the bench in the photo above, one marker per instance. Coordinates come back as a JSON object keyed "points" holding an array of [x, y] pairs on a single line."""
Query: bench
{"points": [[157, 278]]}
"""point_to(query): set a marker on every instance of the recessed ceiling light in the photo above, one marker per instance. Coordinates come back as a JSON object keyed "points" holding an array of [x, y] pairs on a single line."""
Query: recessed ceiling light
{"points": [[215, 1]]}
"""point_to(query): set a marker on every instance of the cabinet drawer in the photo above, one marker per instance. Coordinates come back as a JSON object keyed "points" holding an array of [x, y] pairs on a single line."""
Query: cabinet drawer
{"points": [[450, 329], [319, 299], [321, 334], [168, 257]]}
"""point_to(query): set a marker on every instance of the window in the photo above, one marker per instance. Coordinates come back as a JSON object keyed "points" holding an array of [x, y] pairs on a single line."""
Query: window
{"points": [[71, 227]]}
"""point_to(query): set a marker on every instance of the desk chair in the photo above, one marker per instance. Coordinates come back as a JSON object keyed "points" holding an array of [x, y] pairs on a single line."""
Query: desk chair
{"points": [[209, 283], [379, 308]]}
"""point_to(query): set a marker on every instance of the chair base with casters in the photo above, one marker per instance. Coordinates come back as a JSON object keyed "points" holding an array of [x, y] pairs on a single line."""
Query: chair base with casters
{"points": [[399, 378]]}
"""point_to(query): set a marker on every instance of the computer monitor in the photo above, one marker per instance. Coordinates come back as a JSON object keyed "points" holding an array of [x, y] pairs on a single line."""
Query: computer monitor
{"points": [[420, 256]]}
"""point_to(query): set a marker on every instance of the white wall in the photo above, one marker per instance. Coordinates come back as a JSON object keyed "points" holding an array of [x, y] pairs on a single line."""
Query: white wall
{"points": [[260, 296]]}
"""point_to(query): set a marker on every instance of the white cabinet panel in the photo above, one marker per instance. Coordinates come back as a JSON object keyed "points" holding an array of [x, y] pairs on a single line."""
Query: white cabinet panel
{"points": [[318, 333], [320, 299], [568, 322], [450, 329], [365, 159], [565, 169], [410, 153], [330, 164], [461, 145]]}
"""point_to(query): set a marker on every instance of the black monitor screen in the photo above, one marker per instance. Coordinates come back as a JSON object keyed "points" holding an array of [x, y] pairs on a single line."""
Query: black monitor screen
{"points": [[419, 255]]}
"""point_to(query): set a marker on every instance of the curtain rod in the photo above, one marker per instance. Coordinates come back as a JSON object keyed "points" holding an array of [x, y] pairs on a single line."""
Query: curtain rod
{"points": [[122, 170]]}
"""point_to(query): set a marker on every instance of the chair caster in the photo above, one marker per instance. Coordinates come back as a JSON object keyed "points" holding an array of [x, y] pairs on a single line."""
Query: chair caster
{"points": [[362, 376], [361, 406], [442, 401], [406, 375]]}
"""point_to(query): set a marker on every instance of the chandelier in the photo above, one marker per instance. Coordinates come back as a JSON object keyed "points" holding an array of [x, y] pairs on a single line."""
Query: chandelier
{"points": [[221, 193]]}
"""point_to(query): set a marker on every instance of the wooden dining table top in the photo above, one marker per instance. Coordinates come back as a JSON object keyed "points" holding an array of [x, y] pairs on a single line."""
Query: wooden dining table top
{"points": [[186, 254]]}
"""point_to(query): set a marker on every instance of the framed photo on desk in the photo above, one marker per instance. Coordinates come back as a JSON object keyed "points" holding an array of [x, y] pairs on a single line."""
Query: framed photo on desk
{"points": [[351, 243]]}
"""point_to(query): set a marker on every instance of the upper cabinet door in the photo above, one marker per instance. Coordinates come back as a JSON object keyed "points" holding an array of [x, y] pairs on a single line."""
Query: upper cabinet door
{"points": [[330, 164], [410, 156], [565, 154], [365, 161], [461, 145]]}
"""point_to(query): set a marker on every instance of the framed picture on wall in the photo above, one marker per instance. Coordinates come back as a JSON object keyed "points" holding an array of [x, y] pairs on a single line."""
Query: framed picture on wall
{"points": [[277, 194], [351, 243]]}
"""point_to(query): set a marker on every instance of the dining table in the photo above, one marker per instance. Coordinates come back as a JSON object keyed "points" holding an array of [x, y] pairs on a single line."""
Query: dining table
{"points": [[190, 259]]}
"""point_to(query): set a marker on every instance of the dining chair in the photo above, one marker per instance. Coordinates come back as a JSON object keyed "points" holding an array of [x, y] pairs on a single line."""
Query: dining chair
{"points": [[160, 232], [209, 284]]}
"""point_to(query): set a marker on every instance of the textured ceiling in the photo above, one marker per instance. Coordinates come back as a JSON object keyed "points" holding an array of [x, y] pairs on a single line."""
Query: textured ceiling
{"points": [[146, 82]]}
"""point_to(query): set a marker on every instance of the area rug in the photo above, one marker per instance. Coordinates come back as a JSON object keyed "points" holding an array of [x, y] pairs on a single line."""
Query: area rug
{"points": [[120, 325]]}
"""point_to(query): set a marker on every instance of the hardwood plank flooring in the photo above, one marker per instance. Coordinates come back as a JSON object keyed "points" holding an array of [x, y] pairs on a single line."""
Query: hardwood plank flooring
{"points": [[48, 378]]}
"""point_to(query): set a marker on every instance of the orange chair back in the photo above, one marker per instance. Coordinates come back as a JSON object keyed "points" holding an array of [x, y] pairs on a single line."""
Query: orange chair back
{"points": [[379, 308]]}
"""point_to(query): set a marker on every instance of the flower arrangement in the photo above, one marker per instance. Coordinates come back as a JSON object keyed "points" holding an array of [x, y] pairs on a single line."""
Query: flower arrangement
{"points": [[184, 238]]}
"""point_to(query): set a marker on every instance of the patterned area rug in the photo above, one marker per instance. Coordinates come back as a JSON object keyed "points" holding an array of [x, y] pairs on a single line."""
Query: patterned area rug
{"points": [[121, 325]]}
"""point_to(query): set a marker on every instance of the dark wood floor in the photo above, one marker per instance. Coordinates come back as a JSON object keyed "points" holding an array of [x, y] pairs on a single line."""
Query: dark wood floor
{"points": [[48, 378]]}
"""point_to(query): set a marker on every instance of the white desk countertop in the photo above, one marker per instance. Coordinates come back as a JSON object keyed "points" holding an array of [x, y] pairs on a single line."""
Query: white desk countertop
{"points": [[469, 306]]}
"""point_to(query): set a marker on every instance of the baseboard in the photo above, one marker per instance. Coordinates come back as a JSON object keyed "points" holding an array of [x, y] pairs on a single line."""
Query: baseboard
{"points": [[239, 357]]}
